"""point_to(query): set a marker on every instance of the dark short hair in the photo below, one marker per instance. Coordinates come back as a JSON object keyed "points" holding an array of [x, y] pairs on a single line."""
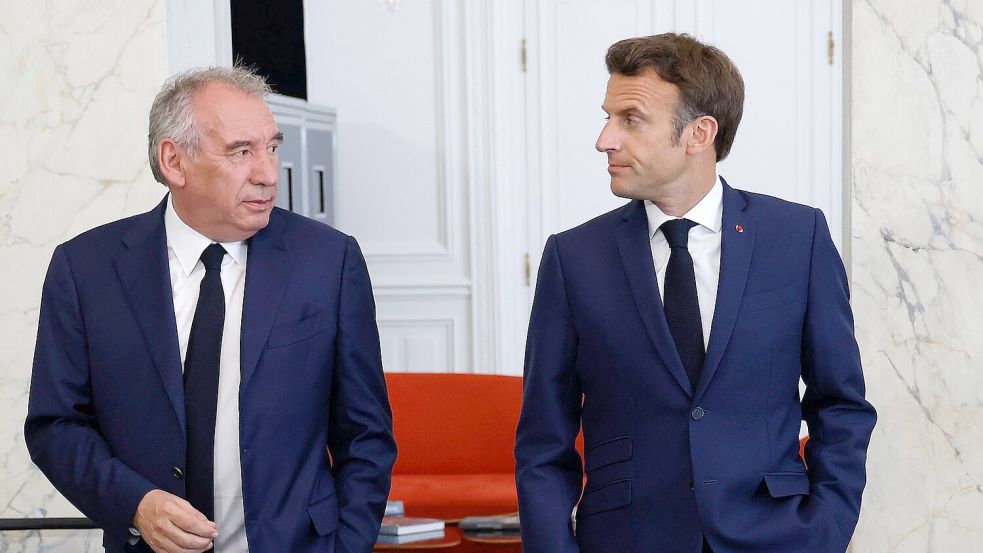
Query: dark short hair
{"points": [[709, 83]]}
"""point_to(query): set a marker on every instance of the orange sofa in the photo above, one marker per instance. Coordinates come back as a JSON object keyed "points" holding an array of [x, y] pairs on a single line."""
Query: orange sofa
{"points": [[455, 435]]}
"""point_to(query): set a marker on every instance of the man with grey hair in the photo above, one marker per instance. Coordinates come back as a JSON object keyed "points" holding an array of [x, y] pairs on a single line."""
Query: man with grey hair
{"points": [[208, 374]]}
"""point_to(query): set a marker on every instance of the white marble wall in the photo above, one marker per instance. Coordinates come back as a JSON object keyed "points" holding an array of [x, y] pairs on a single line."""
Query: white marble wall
{"points": [[917, 256], [76, 81]]}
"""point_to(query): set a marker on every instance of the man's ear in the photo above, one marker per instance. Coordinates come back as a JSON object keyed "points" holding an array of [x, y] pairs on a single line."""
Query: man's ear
{"points": [[704, 132], [171, 167]]}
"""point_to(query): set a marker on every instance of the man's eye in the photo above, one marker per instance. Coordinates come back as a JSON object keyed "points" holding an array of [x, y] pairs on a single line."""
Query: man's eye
{"points": [[241, 153], [274, 148]]}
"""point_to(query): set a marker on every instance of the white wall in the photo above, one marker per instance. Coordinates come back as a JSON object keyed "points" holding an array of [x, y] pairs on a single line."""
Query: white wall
{"points": [[199, 34]]}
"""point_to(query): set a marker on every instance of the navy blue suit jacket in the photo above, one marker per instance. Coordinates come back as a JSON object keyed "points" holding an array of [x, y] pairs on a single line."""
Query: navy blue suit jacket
{"points": [[668, 465], [106, 420]]}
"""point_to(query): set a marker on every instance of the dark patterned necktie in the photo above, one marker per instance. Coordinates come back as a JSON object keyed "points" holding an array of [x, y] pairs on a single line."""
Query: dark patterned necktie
{"points": [[201, 370], [679, 297]]}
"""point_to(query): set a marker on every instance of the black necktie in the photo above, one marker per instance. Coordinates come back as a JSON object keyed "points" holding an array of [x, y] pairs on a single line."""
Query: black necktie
{"points": [[201, 369], [681, 303]]}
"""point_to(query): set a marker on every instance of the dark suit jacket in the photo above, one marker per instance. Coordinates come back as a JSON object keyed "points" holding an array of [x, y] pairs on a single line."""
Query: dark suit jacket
{"points": [[106, 420], [666, 464]]}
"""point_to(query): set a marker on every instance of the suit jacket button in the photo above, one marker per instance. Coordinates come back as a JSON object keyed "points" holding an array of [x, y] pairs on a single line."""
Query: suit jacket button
{"points": [[177, 472], [698, 413]]}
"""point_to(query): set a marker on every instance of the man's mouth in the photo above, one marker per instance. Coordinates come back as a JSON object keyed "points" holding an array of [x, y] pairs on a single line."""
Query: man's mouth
{"points": [[259, 203]]}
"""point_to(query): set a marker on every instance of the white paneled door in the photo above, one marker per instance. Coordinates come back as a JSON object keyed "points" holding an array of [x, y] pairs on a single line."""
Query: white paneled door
{"points": [[397, 81]]}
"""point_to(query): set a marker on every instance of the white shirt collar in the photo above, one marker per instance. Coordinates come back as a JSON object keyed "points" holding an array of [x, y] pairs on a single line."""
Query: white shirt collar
{"points": [[187, 243], [707, 213]]}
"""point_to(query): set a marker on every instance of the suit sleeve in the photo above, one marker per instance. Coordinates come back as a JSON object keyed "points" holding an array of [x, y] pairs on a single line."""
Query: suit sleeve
{"points": [[360, 437], [840, 420], [61, 430], [548, 470]]}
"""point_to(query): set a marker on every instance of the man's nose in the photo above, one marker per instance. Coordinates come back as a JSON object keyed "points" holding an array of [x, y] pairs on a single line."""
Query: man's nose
{"points": [[606, 141], [266, 172]]}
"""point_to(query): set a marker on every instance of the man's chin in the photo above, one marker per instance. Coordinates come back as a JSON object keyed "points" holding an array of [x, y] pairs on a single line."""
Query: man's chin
{"points": [[622, 191], [255, 223], [261, 221]]}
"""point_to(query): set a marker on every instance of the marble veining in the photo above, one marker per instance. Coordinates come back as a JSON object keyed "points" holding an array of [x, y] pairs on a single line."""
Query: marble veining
{"points": [[79, 78], [917, 252]]}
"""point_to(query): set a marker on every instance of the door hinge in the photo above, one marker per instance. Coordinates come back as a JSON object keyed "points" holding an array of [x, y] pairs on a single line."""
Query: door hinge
{"points": [[830, 47], [528, 271], [523, 57]]}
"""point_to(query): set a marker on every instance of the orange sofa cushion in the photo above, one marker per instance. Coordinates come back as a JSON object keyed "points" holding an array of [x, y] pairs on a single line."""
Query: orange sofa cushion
{"points": [[455, 496]]}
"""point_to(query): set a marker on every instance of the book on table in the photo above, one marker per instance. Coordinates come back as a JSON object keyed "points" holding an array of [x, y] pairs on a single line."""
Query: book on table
{"points": [[398, 526], [499, 523], [395, 508], [409, 538]]}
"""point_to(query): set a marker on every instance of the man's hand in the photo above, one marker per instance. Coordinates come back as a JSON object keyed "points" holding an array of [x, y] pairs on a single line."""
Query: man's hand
{"points": [[170, 524]]}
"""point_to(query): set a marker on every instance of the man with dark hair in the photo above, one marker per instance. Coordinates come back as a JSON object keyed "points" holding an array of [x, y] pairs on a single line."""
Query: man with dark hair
{"points": [[674, 330], [196, 364]]}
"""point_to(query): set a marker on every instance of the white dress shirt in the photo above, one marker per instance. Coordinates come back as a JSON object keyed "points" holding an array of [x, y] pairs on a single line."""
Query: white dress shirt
{"points": [[184, 247], [704, 247]]}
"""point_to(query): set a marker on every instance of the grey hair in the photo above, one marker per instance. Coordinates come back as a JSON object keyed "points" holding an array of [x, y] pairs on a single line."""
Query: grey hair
{"points": [[172, 113]]}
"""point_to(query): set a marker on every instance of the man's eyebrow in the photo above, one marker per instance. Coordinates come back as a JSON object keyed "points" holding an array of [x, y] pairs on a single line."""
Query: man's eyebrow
{"points": [[278, 138], [239, 144], [625, 109]]}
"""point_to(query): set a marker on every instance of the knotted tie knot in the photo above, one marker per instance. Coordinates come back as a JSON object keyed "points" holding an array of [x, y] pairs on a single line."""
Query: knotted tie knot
{"points": [[212, 257], [676, 232]]}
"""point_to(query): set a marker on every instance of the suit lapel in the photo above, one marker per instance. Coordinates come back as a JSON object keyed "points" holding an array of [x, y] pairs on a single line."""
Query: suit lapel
{"points": [[636, 255], [144, 274], [267, 272], [735, 260]]}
